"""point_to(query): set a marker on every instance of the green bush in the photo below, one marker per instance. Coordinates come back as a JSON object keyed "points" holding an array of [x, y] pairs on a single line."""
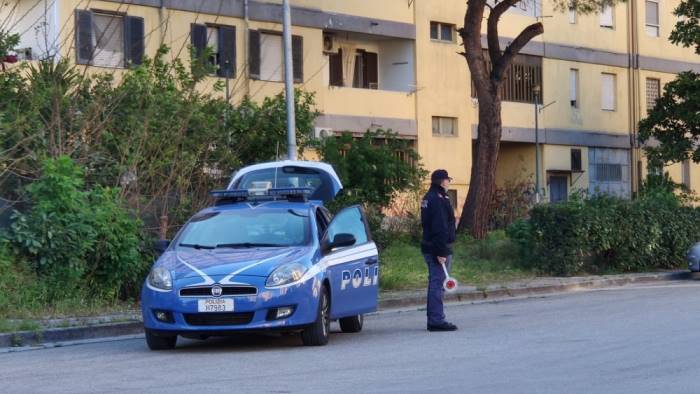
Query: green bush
{"points": [[374, 169], [606, 234], [74, 238]]}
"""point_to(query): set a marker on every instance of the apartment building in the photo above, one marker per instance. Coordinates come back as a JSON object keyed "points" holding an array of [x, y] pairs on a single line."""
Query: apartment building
{"points": [[394, 64]]}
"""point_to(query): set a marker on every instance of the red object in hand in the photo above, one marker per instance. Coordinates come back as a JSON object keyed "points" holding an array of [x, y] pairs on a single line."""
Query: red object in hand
{"points": [[450, 284], [10, 59]]}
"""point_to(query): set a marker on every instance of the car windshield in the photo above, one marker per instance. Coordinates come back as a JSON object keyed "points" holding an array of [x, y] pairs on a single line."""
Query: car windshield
{"points": [[245, 228]]}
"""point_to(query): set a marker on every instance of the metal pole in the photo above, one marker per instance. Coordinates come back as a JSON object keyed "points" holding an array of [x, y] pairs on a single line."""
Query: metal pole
{"points": [[289, 82], [537, 149]]}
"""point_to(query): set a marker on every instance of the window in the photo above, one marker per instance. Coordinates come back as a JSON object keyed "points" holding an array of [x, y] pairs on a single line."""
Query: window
{"points": [[442, 31], [365, 66], [272, 55], [686, 173], [269, 227], [444, 126], [572, 13], [652, 18], [519, 81], [108, 39], [607, 97], [321, 223], [221, 41], [607, 17], [608, 172], [335, 65], [573, 88], [349, 221], [452, 194], [366, 70], [576, 164], [266, 56], [653, 92]]}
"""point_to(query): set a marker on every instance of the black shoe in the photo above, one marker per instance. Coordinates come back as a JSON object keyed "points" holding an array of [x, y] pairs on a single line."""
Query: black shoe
{"points": [[444, 326]]}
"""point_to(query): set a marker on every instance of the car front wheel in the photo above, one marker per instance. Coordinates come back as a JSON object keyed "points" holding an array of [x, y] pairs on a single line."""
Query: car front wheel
{"points": [[160, 342], [317, 333], [351, 324]]}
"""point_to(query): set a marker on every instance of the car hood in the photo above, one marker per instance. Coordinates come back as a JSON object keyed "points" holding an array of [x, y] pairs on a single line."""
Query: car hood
{"points": [[229, 263]]}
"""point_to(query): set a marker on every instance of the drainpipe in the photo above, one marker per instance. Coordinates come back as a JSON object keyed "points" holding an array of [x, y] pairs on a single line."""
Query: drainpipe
{"points": [[634, 93], [246, 38], [161, 18]]}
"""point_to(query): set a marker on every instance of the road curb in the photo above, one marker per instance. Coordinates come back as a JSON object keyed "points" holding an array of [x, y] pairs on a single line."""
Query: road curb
{"points": [[387, 301]]}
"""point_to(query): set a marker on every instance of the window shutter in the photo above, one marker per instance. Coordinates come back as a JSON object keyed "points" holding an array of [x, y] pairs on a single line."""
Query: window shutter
{"points": [[608, 92], [335, 63], [84, 46], [254, 54], [652, 13], [573, 87], [227, 51], [371, 72], [199, 39], [133, 40], [606, 16], [576, 164], [298, 58]]}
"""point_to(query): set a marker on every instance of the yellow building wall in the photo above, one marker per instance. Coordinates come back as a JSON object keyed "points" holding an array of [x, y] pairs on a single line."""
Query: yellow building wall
{"points": [[558, 158], [589, 115], [443, 89], [586, 32], [661, 46], [442, 76], [516, 162]]}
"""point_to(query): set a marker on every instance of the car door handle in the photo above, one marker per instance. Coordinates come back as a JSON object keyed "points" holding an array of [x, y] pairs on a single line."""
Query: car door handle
{"points": [[371, 261]]}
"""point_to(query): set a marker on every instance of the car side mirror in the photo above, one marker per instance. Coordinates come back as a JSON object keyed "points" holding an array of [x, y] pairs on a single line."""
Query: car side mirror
{"points": [[161, 245], [341, 240]]}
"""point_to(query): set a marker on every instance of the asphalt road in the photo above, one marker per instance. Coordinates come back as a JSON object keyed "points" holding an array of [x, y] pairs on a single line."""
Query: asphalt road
{"points": [[628, 340]]}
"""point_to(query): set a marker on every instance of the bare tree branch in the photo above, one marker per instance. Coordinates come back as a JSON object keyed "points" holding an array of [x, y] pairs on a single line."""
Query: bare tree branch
{"points": [[514, 48], [492, 28]]}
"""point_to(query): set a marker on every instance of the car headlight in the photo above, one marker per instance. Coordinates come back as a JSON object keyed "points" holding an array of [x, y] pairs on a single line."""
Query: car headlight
{"points": [[160, 278], [286, 274]]}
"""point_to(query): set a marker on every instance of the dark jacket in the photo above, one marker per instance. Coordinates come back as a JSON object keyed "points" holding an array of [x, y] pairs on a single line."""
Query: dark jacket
{"points": [[438, 220]]}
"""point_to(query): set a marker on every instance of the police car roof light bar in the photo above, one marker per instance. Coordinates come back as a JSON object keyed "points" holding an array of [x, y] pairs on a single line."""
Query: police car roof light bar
{"points": [[229, 196], [291, 193]]}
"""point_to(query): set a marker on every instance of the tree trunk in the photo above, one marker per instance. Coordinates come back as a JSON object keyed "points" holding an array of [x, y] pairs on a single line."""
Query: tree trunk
{"points": [[482, 184], [477, 207]]}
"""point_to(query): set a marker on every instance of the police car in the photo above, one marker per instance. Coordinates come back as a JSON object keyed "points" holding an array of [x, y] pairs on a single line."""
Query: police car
{"points": [[267, 256]]}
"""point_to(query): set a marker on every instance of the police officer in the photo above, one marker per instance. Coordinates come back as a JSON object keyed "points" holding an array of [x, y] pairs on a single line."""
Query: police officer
{"points": [[438, 222]]}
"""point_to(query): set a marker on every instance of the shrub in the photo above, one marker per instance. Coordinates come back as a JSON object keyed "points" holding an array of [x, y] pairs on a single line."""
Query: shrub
{"points": [[77, 239], [511, 202], [375, 170], [607, 234]]}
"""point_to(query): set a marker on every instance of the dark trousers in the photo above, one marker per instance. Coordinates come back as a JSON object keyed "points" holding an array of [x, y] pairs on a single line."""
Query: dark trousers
{"points": [[436, 276]]}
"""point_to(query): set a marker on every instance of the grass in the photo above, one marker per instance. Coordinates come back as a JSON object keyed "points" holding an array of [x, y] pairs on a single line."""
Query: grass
{"points": [[475, 263], [24, 303], [7, 325]]}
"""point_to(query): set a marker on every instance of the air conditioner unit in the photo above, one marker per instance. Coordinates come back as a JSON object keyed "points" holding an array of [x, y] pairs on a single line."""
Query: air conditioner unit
{"points": [[329, 44], [322, 132]]}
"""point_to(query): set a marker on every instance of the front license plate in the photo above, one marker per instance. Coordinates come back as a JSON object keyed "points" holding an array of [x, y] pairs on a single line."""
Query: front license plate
{"points": [[215, 305]]}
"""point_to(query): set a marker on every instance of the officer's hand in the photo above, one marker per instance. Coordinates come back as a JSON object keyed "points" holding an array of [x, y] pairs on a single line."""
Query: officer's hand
{"points": [[441, 260]]}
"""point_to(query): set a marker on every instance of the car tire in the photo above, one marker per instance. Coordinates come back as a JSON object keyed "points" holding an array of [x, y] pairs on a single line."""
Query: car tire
{"points": [[351, 324], [317, 333], [160, 342]]}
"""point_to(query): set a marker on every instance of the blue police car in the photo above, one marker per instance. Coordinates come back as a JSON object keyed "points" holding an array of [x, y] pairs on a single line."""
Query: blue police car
{"points": [[266, 256]]}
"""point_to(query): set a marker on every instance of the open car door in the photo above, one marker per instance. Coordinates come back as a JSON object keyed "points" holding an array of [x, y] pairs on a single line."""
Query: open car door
{"points": [[353, 266]]}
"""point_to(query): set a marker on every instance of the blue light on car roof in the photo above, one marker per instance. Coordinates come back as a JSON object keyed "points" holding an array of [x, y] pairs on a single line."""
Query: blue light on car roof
{"points": [[287, 193], [290, 192], [233, 194]]}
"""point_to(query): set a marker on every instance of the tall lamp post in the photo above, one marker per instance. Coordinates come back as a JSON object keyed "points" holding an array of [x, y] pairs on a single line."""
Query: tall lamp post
{"points": [[289, 81], [537, 90]]}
